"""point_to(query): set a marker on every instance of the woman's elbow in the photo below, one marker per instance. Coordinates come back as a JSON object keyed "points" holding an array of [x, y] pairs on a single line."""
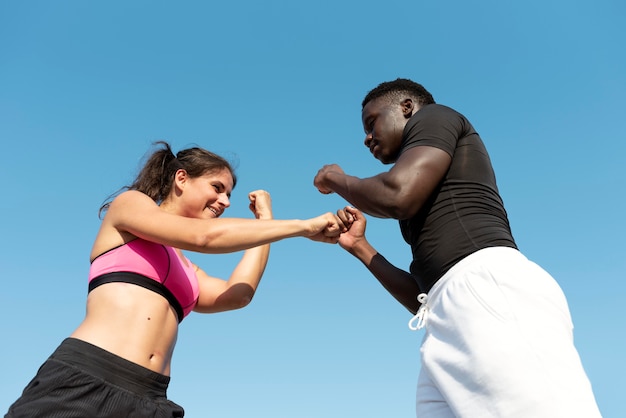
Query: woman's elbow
{"points": [[244, 301], [241, 299]]}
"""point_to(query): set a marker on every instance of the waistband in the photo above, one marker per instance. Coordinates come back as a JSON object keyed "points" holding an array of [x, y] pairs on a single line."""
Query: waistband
{"points": [[418, 321], [111, 368], [480, 256]]}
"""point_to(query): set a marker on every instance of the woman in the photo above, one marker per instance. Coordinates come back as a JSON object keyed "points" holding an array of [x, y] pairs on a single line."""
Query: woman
{"points": [[141, 286]]}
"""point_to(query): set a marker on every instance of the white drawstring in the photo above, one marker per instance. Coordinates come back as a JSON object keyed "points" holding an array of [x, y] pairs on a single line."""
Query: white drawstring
{"points": [[421, 314]]}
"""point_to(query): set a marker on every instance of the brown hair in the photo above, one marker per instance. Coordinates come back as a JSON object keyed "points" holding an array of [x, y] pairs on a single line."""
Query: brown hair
{"points": [[157, 175]]}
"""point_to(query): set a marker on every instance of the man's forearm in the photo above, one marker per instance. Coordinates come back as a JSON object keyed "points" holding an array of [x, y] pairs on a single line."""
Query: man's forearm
{"points": [[399, 283]]}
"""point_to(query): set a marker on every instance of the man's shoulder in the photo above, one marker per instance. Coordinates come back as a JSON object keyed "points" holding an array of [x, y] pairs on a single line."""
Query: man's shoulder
{"points": [[436, 108], [435, 115]]}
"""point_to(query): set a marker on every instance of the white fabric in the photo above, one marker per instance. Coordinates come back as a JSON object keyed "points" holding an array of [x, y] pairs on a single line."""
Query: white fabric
{"points": [[499, 344]]}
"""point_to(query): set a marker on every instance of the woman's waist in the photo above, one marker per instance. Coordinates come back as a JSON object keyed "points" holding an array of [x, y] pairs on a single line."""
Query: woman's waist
{"points": [[134, 323]]}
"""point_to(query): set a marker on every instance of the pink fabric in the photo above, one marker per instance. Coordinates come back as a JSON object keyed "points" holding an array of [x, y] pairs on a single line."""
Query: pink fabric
{"points": [[155, 261]]}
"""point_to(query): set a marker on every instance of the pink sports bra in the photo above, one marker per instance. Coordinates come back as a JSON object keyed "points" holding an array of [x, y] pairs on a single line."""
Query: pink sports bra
{"points": [[153, 266]]}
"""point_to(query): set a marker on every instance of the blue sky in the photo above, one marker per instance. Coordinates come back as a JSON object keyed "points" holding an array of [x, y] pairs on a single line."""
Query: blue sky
{"points": [[276, 86]]}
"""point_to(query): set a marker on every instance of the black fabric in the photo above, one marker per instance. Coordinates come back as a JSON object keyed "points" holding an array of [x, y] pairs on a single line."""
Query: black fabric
{"points": [[80, 380], [143, 281], [466, 213]]}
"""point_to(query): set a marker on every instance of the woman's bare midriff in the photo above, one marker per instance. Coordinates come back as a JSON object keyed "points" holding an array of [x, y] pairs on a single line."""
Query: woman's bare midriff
{"points": [[134, 323]]}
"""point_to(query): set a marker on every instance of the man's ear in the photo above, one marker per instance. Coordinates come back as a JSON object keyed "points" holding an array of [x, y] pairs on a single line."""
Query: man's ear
{"points": [[408, 107]]}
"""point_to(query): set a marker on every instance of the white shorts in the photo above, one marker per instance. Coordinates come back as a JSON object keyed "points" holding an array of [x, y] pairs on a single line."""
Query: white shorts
{"points": [[499, 343]]}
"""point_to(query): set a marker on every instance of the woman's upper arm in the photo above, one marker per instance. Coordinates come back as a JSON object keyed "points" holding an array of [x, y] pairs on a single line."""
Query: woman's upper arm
{"points": [[135, 213], [210, 290], [217, 295]]}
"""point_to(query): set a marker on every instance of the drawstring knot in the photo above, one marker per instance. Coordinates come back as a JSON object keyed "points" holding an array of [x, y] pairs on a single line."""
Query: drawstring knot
{"points": [[422, 313]]}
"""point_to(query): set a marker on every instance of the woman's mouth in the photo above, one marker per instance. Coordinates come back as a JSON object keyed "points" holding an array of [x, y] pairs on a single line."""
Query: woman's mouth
{"points": [[215, 212]]}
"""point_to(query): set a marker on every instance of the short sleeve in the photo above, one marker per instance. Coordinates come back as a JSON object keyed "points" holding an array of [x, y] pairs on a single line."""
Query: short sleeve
{"points": [[435, 126]]}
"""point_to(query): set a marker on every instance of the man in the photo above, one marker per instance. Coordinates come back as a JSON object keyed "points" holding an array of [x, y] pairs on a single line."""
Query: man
{"points": [[498, 339]]}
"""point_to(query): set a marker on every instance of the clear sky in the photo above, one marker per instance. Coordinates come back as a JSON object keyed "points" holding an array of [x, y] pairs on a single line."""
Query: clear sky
{"points": [[276, 87]]}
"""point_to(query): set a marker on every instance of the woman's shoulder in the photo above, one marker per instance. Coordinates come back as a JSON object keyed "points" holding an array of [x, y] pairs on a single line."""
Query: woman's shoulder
{"points": [[131, 194], [131, 197], [128, 208]]}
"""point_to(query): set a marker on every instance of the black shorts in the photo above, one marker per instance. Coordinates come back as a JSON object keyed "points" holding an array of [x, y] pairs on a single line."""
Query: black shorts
{"points": [[81, 380]]}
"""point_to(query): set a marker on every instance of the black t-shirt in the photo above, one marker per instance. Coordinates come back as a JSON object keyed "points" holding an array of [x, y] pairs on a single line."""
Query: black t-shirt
{"points": [[465, 213]]}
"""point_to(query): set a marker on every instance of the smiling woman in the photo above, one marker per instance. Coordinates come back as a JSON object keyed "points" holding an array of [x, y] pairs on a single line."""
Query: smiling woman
{"points": [[141, 286]]}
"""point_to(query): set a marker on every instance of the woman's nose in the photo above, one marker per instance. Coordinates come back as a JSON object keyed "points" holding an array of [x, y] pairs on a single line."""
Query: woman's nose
{"points": [[224, 200]]}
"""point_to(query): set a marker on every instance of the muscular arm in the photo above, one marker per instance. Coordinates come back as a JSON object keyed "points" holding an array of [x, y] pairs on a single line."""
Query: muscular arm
{"points": [[398, 193], [399, 283]]}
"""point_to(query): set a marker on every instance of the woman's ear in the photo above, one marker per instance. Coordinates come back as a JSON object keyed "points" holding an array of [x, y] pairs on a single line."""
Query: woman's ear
{"points": [[180, 179]]}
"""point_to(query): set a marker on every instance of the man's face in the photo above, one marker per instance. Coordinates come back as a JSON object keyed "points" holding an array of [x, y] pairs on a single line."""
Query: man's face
{"points": [[383, 121]]}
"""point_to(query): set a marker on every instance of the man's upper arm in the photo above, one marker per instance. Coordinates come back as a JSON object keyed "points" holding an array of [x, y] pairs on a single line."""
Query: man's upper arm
{"points": [[415, 176]]}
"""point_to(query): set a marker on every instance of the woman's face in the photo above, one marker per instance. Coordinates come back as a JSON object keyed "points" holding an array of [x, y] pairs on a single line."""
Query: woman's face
{"points": [[207, 196]]}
